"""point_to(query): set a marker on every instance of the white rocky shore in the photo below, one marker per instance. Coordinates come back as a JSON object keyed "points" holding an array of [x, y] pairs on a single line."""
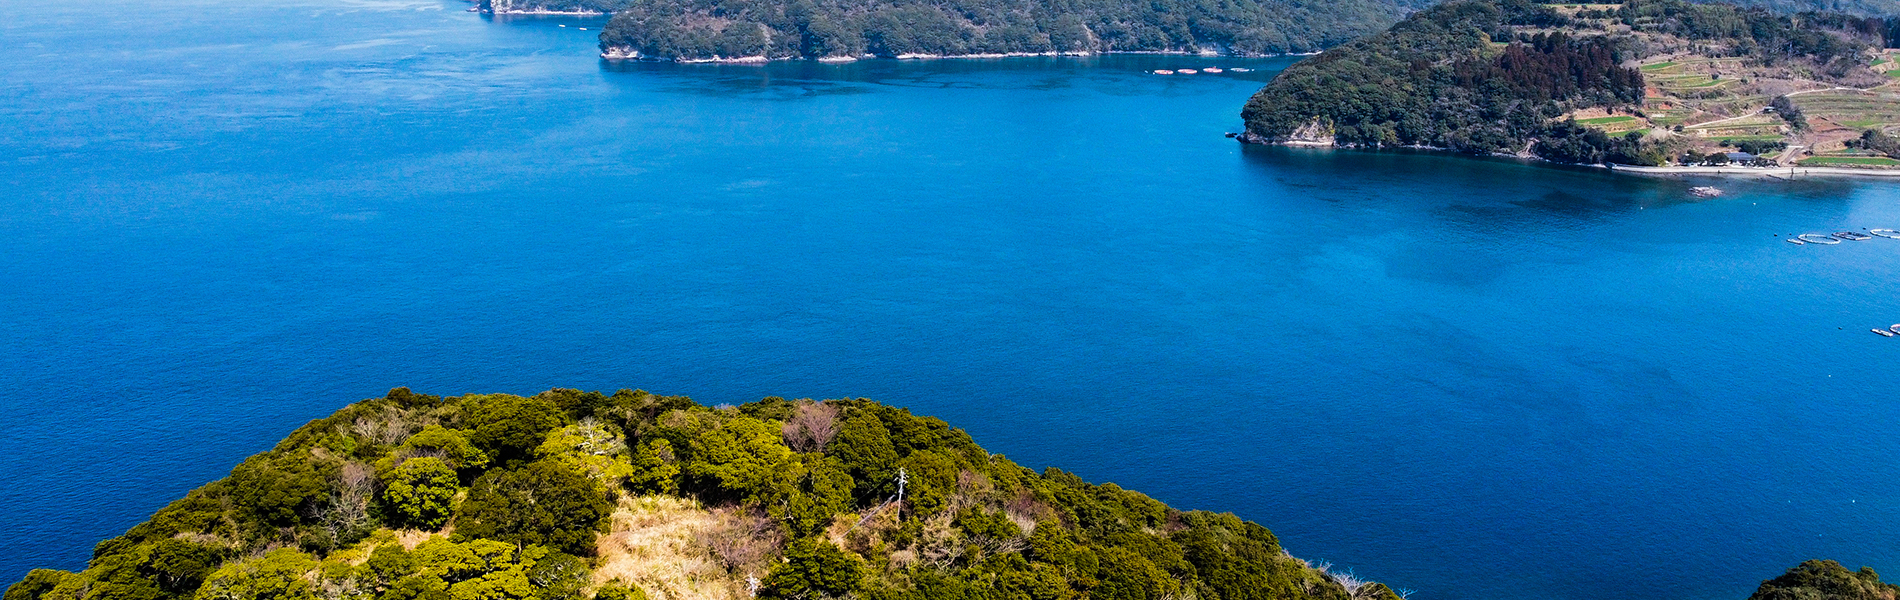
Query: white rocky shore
{"points": [[628, 53], [1313, 137], [531, 8], [1794, 172]]}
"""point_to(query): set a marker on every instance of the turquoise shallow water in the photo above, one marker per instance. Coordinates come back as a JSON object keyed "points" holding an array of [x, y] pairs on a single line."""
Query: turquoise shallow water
{"points": [[1476, 379]]}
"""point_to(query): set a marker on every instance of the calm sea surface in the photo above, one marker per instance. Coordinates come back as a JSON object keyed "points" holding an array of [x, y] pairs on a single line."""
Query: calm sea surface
{"points": [[1480, 380]]}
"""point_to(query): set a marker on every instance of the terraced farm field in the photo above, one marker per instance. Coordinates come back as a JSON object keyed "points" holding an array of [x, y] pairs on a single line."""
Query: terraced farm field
{"points": [[1614, 124], [1718, 103], [1754, 127], [1669, 117], [1859, 110], [1880, 161]]}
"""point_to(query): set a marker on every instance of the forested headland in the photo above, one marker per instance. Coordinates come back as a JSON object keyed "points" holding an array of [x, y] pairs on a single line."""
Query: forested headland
{"points": [[1645, 82], [815, 29], [570, 495]]}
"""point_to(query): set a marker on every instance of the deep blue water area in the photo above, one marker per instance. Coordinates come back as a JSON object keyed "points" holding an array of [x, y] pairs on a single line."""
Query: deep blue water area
{"points": [[1477, 379]]}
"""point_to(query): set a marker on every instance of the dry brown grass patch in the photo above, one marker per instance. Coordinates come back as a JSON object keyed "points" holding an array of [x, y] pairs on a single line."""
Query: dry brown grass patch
{"points": [[657, 543]]}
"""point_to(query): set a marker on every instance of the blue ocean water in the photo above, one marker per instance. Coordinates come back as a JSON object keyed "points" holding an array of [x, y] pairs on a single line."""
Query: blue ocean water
{"points": [[1476, 379]]}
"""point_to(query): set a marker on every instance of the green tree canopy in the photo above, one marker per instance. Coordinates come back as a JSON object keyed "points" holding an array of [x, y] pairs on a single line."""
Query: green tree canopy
{"points": [[449, 444], [541, 503], [420, 492], [507, 427], [282, 574], [814, 568], [744, 460], [37, 583], [655, 469]]}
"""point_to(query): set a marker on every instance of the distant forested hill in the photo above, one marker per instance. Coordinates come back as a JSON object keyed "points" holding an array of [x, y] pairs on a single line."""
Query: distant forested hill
{"points": [[1560, 81], [793, 29], [781, 29]]}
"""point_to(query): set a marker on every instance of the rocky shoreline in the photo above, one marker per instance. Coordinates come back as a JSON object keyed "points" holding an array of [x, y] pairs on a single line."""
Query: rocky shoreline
{"points": [[619, 53], [1794, 172], [509, 8], [1782, 173]]}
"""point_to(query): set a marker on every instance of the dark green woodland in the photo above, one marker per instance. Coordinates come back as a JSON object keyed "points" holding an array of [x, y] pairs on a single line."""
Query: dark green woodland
{"points": [[498, 497], [778, 29], [1502, 76], [492, 497]]}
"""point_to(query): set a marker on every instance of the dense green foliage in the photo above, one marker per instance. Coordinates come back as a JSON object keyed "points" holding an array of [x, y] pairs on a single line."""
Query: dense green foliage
{"points": [[1747, 32], [1826, 580], [1436, 80], [500, 497], [1877, 141], [420, 492], [1497, 76], [544, 503], [322, 515], [706, 29]]}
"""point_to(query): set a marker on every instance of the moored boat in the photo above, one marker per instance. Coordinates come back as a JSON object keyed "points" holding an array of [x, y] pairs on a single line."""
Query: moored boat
{"points": [[1883, 332], [1795, 241], [1163, 72], [1852, 235], [1240, 69], [1211, 70], [1186, 71]]}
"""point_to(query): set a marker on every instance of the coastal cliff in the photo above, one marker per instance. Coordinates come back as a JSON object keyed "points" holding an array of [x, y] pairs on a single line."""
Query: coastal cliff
{"points": [[570, 495]]}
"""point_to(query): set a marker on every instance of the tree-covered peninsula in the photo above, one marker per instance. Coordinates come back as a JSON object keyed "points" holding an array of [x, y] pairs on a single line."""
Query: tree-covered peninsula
{"points": [[1645, 82], [818, 29], [570, 495]]}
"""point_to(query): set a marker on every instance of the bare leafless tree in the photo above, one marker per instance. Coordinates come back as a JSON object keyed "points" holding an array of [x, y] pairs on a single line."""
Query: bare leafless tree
{"points": [[743, 539], [938, 543], [1025, 511], [596, 440], [347, 511], [390, 427], [812, 425]]}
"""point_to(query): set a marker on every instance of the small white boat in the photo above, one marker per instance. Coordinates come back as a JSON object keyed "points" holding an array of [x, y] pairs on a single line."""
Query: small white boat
{"points": [[1816, 238], [583, 29], [563, 25], [1883, 332], [1886, 233], [1186, 71], [1794, 241], [1163, 72], [1211, 70], [1240, 70]]}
